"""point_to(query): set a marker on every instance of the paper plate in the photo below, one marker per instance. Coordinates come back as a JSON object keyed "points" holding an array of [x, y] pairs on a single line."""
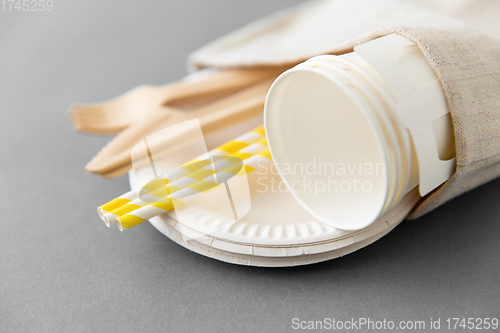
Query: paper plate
{"points": [[276, 231]]}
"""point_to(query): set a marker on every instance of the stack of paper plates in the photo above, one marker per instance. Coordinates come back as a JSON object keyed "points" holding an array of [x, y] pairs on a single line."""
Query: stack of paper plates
{"points": [[276, 231]]}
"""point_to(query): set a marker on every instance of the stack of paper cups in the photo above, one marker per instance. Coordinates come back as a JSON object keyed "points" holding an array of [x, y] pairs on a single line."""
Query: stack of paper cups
{"points": [[351, 135]]}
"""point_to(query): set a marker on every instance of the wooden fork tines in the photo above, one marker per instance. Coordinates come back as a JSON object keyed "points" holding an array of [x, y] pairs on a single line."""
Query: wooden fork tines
{"points": [[117, 114], [114, 159]]}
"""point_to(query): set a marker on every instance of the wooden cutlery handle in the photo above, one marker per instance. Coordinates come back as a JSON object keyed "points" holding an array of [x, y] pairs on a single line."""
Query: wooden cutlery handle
{"points": [[114, 159]]}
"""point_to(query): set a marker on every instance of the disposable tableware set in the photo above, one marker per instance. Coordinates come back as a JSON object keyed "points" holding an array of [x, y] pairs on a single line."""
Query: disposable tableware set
{"points": [[306, 160]]}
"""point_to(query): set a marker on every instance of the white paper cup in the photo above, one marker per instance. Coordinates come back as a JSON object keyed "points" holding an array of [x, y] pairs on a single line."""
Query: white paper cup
{"points": [[342, 131]]}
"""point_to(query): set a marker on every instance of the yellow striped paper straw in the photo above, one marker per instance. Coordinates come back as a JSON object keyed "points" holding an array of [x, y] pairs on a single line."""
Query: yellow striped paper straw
{"points": [[226, 149], [167, 203], [203, 174]]}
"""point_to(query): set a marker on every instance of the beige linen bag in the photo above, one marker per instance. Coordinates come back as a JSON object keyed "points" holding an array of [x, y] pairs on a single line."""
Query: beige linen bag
{"points": [[466, 60]]}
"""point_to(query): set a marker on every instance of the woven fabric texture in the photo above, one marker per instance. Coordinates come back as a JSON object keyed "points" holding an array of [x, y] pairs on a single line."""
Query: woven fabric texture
{"points": [[466, 60]]}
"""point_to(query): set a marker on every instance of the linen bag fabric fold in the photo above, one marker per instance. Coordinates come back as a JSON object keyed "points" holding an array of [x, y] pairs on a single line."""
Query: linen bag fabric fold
{"points": [[466, 60]]}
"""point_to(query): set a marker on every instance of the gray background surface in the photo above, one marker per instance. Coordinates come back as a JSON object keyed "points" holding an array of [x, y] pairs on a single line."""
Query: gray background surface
{"points": [[62, 270]]}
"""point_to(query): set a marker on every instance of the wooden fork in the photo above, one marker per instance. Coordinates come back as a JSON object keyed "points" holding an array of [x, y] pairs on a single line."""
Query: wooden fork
{"points": [[114, 159], [117, 114]]}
